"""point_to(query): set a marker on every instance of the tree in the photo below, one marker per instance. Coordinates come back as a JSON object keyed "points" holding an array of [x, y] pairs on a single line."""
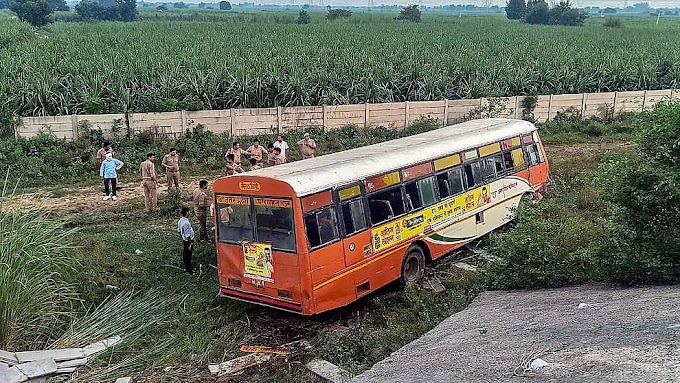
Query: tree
{"points": [[127, 9], [90, 10], [35, 12], [58, 5], [162, 8], [180, 5], [304, 18], [515, 9], [537, 12], [334, 14], [410, 13], [564, 14], [609, 11], [201, 5], [225, 5]]}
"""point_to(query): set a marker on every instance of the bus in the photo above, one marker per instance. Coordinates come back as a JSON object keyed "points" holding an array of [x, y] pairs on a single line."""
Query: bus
{"points": [[317, 234]]}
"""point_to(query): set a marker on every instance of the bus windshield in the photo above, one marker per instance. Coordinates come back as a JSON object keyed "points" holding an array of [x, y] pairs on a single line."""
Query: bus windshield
{"points": [[267, 220]]}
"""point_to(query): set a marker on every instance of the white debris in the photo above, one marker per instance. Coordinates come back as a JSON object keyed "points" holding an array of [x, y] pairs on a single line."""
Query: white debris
{"points": [[138, 252], [329, 371], [57, 355], [465, 266], [101, 345], [127, 379], [112, 287], [586, 305], [12, 375], [37, 368], [538, 364]]}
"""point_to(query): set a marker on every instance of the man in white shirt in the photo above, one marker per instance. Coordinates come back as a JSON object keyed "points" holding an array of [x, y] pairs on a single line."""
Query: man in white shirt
{"points": [[281, 144], [187, 233]]}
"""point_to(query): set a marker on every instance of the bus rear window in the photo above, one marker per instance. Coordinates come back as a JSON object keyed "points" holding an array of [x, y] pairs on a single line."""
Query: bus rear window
{"points": [[274, 222], [234, 221]]}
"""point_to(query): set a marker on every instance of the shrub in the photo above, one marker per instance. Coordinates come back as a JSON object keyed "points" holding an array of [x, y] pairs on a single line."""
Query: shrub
{"points": [[515, 9], [339, 13], [613, 23], [303, 18], [410, 13]]}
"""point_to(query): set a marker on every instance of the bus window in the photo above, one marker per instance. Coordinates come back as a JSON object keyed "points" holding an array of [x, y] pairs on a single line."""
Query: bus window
{"points": [[535, 155], [507, 161], [518, 158], [354, 216], [235, 222], [385, 205], [413, 201], [488, 168], [450, 183], [322, 227], [427, 194], [274, 224], [473, 172]]}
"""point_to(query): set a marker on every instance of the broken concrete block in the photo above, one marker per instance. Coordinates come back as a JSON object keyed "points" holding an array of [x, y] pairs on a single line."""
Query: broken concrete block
{"points": [[56, 355], [329, 371], [100, 346], [12, 375], [239, 364], [66, 370], [72, 363], [124, 380], [433, 284], [538, 364], [37, 368], [8, 357], [3, 366]]}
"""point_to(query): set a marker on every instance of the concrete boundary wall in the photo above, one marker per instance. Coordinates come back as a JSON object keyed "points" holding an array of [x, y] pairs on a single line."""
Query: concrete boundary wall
{"points": [[396, 115]]}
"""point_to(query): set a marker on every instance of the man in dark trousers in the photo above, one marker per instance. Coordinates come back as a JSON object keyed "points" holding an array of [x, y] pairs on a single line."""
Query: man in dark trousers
{"points": [[201, 205], [187, 233]]}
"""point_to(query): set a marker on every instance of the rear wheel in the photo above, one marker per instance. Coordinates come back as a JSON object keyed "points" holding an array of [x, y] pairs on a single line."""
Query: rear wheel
{"points": [[412, 267]]}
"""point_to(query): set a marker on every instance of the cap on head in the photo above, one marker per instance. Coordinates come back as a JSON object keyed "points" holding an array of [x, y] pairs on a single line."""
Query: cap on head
{"points": [[306, 135]]}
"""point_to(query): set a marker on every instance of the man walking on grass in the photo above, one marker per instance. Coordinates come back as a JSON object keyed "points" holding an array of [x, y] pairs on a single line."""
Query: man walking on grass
{"points": [[187, 233], [171, 164], [149, 184], [201, 204], [108, 171]]}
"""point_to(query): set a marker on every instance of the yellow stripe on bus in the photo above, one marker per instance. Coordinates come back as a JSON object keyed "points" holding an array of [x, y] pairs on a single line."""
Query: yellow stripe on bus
{"points": [[446, 162], [349, 192], [489, 149], [516, 141]]}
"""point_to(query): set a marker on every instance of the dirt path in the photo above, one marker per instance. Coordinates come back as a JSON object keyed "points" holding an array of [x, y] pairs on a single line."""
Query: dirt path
{"points": [[90, 198]]}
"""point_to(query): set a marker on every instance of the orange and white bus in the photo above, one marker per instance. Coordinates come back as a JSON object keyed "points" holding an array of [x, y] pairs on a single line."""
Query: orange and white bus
{"points": [[313, 235]]}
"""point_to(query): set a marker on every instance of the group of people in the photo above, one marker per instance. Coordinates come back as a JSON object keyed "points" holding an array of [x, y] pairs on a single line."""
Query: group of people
{"points": [[259, 157]]}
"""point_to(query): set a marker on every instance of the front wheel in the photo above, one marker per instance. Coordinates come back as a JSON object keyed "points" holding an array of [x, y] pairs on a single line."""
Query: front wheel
{"points": [[412, 267]]}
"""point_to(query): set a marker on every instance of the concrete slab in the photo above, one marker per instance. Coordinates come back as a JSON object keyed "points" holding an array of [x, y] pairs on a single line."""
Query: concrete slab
{"points": [[57, 355], [124, 380], [12, 375], [37, 368], [329, 371], [624, 335]]}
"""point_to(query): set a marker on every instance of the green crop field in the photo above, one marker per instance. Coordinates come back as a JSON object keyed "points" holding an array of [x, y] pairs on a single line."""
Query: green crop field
{"points": [[265, 59]]}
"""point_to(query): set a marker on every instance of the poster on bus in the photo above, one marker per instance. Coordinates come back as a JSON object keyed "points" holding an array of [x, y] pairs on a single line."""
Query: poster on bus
{"points": [[441, 214], [258, 262]]}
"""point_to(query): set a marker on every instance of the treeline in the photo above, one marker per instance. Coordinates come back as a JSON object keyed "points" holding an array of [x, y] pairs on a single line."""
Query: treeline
{"points": [[538, 12]]}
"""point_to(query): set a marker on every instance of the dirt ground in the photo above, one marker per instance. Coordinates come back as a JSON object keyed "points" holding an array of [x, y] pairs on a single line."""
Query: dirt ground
{"points": [[73, 200], [587, 334]]}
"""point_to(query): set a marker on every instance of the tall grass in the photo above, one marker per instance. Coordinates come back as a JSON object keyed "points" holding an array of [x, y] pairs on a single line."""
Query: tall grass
{"points": [[36, 295]]}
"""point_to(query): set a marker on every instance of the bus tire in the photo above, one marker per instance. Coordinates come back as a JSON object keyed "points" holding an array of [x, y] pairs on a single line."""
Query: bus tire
{"points": [[412, 267]]}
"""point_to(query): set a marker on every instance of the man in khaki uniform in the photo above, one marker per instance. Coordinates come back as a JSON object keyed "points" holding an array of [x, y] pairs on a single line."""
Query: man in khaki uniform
{"points": [[307, 146], [149, 184], [237, 152], [201, 205], [171, 165], [256, 151], [278, 157]]}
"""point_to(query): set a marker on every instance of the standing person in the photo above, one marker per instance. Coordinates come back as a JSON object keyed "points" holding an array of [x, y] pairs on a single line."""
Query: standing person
{"points": [[149, 184], [256, 151], [254, 165], [232, 166], [171, 164], [201, 204], [236, 151], [307, 146], [281, 144], [271, 156], [187, 233], [101, 153], [278, 157], [108, 171]]}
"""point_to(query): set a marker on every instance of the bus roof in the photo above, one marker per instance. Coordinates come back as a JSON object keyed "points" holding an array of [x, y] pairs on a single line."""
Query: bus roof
{"points": [[321, 173]]}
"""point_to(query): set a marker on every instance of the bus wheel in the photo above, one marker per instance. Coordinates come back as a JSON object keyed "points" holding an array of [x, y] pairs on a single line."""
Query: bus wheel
{"points": [[413, 266]]}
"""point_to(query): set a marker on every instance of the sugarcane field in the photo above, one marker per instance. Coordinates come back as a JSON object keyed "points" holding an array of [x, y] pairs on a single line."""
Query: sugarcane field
{"points": [[465, 191]]}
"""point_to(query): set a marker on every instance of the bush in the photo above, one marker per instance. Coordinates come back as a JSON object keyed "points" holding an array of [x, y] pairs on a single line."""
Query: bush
{"points": [[410, 13], [303, 18], [334, 14], [515, 9], [35, 12], [613, 23]]}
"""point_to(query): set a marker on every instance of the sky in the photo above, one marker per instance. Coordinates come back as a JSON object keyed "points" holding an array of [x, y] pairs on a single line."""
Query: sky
{"points": [[584, 3]]}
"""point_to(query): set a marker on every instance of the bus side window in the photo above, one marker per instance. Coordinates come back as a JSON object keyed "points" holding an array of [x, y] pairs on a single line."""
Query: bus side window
{"points": [[427, 194], [534, 153], [385, 205], [518, 158], [413, 200], [507, 161], [322, 227], [456, 180], [488, 168], [473, 172], [354, 216], [444, 185]]}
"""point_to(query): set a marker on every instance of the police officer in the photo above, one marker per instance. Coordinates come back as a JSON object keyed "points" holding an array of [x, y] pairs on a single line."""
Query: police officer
{"points": [[149, 184], [201, 205]]}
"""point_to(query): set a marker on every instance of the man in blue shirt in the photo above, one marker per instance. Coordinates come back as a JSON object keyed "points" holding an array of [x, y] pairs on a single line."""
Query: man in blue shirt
{"points": [[108, 171], [187, 233]]}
